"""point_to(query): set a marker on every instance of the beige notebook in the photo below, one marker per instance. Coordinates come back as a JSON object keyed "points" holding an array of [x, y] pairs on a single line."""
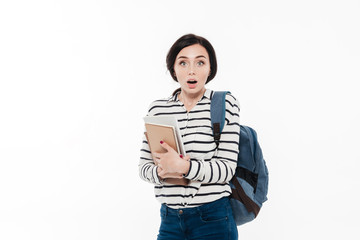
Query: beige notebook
{"points": [[156, 133], [168, 121]]}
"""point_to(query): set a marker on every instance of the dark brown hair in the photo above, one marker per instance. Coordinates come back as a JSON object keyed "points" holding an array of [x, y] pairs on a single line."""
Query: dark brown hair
{"points": [[185, 41]]}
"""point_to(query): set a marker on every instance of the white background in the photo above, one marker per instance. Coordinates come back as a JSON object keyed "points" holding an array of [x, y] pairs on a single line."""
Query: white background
{"points": [[78, 76]]}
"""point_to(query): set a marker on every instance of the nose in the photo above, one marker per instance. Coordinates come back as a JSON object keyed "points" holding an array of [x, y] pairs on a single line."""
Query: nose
{"points": [[191, 70]]}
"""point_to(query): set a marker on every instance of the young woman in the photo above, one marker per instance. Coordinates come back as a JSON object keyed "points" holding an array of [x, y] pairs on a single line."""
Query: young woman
{"points": [[197, 205]]}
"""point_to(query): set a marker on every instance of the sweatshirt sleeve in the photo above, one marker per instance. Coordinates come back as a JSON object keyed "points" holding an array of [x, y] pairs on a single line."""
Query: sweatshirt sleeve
{"points": [[147, 168], [222, 166]]}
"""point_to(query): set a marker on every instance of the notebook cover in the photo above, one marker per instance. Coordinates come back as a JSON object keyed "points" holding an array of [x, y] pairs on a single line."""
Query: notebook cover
{"points": [[156, 133]]}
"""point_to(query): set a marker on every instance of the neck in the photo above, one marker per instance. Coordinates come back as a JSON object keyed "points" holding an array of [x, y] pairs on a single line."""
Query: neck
{"points": [[191, 99]]}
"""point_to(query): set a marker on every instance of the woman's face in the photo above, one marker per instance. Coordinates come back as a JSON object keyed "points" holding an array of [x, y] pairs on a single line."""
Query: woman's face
{"points": [[192, 68]]}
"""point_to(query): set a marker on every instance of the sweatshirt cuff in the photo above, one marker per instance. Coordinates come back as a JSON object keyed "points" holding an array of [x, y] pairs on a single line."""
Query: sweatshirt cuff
{"points": [[157, 179], [194, 170]]}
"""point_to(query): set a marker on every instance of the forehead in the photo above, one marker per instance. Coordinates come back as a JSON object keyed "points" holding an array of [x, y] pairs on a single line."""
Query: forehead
{"points": [[193, 51]]}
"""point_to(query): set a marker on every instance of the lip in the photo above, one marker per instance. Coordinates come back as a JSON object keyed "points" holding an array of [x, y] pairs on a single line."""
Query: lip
{"points": [[192, 83], [191, 80]]}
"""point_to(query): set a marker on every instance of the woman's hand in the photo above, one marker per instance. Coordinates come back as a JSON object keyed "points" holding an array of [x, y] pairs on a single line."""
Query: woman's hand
{"points": [[170, 164]]}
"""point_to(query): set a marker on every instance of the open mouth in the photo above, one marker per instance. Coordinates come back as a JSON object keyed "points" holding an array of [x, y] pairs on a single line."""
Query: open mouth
{"points": [[192, 82]]}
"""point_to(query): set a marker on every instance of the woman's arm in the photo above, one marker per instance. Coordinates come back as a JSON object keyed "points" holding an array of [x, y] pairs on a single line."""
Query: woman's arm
{"points": [[147, 169], [222, 166]]}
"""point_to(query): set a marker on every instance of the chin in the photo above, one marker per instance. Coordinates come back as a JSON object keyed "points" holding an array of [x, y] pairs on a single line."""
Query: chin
{"points": [[194, 90]]}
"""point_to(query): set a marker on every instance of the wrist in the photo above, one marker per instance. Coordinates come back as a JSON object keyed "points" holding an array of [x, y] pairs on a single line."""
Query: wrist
{"points": [[184, 167]]}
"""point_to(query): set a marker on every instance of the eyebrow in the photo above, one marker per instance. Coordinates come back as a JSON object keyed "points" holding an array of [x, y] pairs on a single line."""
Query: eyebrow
{"points": [[200, 56]]}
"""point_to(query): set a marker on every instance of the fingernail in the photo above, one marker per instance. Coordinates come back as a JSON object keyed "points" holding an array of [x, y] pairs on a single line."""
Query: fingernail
{"points": [[181, 155], [161, 142]]}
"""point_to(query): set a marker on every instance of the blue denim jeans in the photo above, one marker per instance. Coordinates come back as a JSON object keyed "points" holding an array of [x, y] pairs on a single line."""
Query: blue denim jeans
{"points": [[209, 221]]}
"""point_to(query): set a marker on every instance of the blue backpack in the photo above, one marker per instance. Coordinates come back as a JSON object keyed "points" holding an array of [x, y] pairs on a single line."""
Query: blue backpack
{"points": [[250, 183]]}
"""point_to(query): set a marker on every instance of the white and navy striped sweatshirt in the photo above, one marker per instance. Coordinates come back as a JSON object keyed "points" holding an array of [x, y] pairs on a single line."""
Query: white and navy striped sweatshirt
{"points": [[211, 168]]}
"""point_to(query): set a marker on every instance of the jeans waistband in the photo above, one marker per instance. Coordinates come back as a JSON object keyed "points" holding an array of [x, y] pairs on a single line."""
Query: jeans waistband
{"points": [[217, 203]]}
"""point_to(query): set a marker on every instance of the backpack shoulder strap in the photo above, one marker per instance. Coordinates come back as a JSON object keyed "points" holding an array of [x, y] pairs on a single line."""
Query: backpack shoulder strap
{"points": [[217, 113]]}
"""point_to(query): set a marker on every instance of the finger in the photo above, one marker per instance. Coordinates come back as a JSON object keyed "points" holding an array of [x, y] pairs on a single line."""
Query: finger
{"points": [[162, 173], [157, 161], [166, 146]]}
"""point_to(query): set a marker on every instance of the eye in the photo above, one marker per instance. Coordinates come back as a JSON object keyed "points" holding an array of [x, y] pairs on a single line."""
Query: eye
{"points": [[200, 63], [182, 63]]}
